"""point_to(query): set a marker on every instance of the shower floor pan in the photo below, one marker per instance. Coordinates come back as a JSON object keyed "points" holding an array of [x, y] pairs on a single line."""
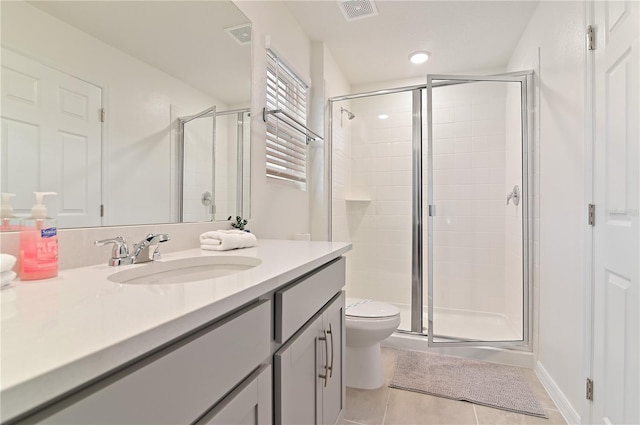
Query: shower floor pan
{"points": [[464, 324]]}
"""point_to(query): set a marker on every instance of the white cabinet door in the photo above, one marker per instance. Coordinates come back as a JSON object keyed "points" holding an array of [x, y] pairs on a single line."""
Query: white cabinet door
{"points": [[309, 384], [333, 394], [297, 387], [249, 404]]}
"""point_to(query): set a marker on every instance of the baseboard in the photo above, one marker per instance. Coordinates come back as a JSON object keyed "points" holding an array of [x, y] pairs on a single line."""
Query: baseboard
{"points": [[564, 406]]}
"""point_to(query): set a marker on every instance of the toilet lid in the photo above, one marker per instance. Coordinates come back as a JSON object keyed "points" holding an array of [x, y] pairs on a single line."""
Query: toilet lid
{"points": [[358, 307]]}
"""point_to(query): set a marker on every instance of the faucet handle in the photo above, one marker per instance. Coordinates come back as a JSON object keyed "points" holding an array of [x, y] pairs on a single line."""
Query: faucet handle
{"points": [[161, 238], [515, 195], [120, 249], [156, 254]]}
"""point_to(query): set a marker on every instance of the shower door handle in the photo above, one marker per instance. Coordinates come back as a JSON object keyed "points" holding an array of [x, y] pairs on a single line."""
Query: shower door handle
{"points": [[515, 195]]}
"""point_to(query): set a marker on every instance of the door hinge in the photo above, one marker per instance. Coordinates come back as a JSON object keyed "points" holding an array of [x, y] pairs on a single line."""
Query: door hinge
{"points": [[102, 115], [589, 389], [432, 210], [101, 210], [591, 38], [592, 215]]}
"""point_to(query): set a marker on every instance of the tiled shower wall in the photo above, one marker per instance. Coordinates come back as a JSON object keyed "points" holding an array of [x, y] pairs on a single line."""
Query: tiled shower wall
{"points": [[469, 194], [378, 198], [372, 189]]}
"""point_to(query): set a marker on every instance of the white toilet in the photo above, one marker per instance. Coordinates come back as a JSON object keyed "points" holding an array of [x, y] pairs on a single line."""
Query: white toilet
{"points": [[367, 322]]}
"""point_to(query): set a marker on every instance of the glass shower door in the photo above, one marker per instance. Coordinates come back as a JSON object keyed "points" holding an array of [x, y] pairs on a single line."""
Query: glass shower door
{"points": [[372, 185], [477, 213]]}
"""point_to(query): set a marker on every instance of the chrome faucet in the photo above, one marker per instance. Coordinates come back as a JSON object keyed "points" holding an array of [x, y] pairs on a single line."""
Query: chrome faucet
{"points": [[120, 254], [141, 249]]}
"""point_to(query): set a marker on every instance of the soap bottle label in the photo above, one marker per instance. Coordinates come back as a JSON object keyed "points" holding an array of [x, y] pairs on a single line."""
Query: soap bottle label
{"points": [[48, 233], [48, 249]]}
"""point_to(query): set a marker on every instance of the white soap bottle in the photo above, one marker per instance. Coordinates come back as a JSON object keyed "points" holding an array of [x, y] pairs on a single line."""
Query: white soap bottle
{"points": [[39, 243]]}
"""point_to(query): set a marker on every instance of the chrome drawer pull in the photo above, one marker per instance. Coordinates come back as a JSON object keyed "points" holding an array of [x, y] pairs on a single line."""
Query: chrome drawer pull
{"points": [[330, 332], [326, 355]]}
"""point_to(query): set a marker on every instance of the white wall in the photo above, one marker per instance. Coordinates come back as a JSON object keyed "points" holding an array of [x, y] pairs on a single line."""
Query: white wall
{"points": [[557, 29], [279, 209], [334, 83], [138, 100]]}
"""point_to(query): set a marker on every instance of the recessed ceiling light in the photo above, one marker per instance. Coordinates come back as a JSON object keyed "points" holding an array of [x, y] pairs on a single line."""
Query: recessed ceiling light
{"points": [[419, 57], [383, 116]]}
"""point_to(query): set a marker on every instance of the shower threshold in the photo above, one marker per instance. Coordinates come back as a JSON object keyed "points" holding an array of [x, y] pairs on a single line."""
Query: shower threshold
{"points": [[464, 324], [492, 326]]}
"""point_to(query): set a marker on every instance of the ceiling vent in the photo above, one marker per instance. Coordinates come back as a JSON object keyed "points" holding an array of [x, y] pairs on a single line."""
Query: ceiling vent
{"points": [[357, 9], [240, 33]]}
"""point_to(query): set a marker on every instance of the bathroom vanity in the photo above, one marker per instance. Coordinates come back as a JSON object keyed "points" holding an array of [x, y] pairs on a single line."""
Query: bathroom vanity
{"points": [[262, 345]]}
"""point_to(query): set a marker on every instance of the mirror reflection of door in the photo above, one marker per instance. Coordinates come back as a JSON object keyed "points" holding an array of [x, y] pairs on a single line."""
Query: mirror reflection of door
{"points": [[51, 140]]}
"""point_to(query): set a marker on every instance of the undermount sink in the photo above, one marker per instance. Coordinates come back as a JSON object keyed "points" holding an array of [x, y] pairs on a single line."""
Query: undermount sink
{"points": [[185, 270]]}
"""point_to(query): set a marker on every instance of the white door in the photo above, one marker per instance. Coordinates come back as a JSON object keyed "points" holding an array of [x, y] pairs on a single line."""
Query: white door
{"points": [[51, 140], [616, 355]]}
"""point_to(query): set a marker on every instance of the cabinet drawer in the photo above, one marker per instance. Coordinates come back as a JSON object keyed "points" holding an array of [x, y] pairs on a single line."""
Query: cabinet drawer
{"points": [[249, 404], [178, 384], [297, 303]]}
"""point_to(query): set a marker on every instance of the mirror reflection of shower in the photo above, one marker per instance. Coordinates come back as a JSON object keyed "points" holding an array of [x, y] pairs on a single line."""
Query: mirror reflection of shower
{"points": [[350, 115], [213, 160]]}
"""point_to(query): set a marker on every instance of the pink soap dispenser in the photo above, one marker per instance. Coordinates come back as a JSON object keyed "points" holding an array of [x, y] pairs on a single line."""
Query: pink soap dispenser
{"points": [[38, 243]]}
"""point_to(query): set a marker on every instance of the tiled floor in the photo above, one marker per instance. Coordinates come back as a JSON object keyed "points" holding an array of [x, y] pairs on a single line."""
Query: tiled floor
{"points": [[390, 406]]}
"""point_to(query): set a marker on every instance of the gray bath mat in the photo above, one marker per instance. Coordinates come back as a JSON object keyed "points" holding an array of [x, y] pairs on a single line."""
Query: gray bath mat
{"points": [[488, 384]]}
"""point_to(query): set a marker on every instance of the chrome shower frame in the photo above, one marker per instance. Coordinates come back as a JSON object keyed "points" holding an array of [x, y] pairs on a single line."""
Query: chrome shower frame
{"points": [[417, 243], [213, 113]]}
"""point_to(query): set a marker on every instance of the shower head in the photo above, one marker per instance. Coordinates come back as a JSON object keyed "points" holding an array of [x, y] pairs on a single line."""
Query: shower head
{"points": [[349, 113]]}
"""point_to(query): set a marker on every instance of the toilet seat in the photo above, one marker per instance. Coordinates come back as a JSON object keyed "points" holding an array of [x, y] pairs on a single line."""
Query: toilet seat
{"points": [[369, 309]]}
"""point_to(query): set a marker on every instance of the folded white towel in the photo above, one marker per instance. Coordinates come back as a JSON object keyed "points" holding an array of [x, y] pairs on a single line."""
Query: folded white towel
{"points": [[7, 262], [224, 240], [215, 242], [7, 277]]}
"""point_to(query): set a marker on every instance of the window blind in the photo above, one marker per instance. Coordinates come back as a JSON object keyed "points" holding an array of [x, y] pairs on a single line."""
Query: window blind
{"points": [[286, 146]]}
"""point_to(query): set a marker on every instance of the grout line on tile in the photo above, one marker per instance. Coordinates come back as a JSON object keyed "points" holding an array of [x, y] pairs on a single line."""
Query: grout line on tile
{"points": [[475, 414], [351, 422], [386, 407]]}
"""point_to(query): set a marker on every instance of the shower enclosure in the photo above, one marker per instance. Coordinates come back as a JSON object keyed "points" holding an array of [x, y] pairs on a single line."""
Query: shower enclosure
{"points": [[429, 183]]}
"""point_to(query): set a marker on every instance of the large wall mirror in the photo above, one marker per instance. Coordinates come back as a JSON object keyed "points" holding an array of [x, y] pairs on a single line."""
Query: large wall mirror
{"points": [[135, 112]]}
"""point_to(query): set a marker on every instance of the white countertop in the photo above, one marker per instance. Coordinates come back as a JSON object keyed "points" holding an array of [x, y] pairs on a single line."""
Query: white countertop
{"points": [[62, 332]]}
